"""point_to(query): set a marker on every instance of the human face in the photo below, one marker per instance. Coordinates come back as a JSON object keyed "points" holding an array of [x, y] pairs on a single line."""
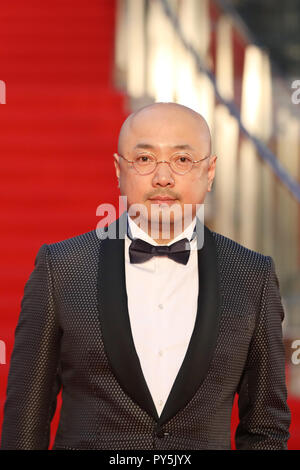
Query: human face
{"points": [[163, 132]]}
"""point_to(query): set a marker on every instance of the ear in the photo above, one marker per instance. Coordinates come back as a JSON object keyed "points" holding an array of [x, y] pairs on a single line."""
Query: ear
{"points": [[211, 171], [117, 165]]}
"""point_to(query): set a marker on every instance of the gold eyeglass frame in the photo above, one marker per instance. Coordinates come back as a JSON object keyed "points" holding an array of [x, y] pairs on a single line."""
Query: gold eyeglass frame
{"points": [[162, 161]]}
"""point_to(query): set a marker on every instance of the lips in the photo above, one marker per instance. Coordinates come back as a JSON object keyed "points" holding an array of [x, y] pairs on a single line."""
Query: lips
{"points": [[162, 198]]}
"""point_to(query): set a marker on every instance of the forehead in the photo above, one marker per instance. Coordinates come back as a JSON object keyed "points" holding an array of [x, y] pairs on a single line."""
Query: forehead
{"points": [[165, 127], [164, 121]]}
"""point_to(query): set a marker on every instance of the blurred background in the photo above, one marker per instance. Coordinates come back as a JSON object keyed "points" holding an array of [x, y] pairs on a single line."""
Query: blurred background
{"points": [[71, 72]]}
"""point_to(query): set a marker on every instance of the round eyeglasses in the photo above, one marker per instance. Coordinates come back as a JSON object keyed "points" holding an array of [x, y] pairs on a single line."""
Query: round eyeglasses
{"points": [[146, 163]]}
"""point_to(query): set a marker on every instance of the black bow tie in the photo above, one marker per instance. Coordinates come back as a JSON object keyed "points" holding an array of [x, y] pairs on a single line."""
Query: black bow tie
{"points": [[140, 251]]}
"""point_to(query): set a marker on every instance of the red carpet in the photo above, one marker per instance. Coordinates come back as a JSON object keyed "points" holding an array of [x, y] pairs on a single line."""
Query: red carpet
{"points": [[58, 132]]}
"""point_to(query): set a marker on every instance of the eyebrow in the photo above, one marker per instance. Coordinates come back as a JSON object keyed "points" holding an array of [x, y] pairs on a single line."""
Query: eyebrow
{"points": [[143, 145]]}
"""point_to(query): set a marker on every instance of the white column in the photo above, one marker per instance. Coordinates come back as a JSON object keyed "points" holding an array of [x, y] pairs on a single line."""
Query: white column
{"points": [[135, 48], [226, 134], [267, 207], [189, 83], [287, 207], [249, 173], [161, 51], [255, 209], [205, 99], [195, 24], [225, 146], [224, 58]]}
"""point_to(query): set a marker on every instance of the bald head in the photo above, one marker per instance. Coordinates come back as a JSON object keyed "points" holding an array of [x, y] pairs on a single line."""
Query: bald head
{"points": [[170, 119]]}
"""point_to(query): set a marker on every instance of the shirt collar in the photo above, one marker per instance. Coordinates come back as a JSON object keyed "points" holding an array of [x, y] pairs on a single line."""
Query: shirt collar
{"points": [[137, 232]]}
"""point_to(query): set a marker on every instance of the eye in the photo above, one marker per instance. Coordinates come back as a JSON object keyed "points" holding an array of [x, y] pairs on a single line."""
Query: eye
{"points": [[182, 158], [144, 158]]}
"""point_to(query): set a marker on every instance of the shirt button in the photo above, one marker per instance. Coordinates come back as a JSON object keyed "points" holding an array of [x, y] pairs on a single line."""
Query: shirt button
{"points": [[160, 306], [160, 402]]}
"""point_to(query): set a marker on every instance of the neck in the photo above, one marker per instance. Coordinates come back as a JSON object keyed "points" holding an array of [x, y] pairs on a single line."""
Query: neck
{"points": [[164, 234], [161, 233]]}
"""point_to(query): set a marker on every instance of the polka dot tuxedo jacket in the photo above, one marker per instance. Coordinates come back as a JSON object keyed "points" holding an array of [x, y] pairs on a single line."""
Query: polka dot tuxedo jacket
{"points": [[73, 334]]}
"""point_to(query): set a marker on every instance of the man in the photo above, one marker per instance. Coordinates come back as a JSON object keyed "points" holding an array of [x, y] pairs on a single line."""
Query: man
{"points": [[151, 337]]}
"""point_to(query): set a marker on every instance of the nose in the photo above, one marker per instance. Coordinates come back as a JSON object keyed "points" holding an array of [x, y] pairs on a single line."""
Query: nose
{"points": [[163, 175]]}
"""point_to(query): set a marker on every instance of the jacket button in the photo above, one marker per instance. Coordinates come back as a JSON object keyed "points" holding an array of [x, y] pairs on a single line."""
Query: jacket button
{"points": [[161, 433]]}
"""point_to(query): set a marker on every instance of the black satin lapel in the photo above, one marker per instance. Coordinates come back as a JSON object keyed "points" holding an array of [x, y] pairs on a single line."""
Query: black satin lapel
{"points": [[115, 322], [203, 340]]}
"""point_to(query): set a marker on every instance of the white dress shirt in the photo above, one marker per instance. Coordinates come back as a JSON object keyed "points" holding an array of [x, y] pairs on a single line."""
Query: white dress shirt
{"points": [[162, 305]]}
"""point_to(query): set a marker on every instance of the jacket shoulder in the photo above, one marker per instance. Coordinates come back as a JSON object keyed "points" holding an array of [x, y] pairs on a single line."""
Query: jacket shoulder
{"points": [[236, 255], [77, 248]]}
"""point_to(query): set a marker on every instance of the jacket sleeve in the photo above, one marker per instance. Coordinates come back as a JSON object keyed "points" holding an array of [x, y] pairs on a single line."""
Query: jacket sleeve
{"points": [[33, 378], [263, 410]]}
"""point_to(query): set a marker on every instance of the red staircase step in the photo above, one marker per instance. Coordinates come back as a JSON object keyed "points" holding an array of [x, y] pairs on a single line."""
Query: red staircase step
{"points": [[58, 132]]}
